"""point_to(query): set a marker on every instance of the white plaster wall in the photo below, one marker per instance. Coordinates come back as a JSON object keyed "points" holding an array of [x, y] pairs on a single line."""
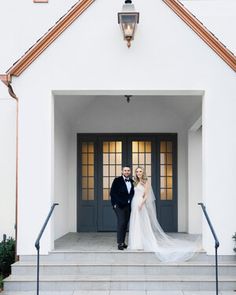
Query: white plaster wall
{"points": [[7, 167], [194, 181], [19, 35], [91, 55], [61, 174], [218, 16]]}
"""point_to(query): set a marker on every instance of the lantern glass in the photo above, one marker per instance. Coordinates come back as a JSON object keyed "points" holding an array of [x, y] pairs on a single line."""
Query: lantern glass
{"points": [[128, 23]]}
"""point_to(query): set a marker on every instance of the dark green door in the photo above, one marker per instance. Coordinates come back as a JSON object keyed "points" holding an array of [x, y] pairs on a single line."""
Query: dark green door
{"points": [[100, 160]]}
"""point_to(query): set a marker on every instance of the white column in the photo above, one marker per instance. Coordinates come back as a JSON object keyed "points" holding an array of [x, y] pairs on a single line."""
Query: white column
{"points": [[219, 162], [35, 171], [194, 181]]}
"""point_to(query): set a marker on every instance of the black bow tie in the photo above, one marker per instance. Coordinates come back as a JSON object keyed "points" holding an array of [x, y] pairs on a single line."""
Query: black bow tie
{"points": [[127, 179]]}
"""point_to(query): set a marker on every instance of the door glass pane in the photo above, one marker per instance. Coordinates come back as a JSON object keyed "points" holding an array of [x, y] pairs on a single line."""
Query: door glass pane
{"points": [[84, 159], [163, 147], [112, 165], [141, 159], [118, 170], [118, 146], [105, 194], [135, 146], [91, 170], [148, 170], [105, 170], [169, 194], [112, 146], [112, 158], [148, 158], [119, 158], [87, 171], [91, 182], [163, 170], [148, 146], [141, 146], [105, 146], [113, 170], [166, 170], [141, 156], [84, 182], [105, 182], [163, 194], [169, 146]]}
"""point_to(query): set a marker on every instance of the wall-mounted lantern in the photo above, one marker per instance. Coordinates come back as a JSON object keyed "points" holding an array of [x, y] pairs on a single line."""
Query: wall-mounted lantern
{"points": [[128, 19]]}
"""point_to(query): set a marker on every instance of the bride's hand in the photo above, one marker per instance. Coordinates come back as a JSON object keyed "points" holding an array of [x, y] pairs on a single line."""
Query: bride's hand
{"points": [[140, 205]]}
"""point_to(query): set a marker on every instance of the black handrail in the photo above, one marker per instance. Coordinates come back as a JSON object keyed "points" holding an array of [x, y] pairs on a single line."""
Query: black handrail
{"points": [[217, 243], [37, 242]]}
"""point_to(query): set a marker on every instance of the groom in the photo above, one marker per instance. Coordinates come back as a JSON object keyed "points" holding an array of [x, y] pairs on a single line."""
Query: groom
{"points": [[122, 191]]}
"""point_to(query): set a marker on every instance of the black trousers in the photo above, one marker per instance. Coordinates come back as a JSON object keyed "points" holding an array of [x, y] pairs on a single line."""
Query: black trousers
{"points": [[123, 215]]}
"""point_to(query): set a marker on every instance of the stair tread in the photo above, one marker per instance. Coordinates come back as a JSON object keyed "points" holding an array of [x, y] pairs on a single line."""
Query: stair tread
{"points": [[68, 263], [116, 277]]}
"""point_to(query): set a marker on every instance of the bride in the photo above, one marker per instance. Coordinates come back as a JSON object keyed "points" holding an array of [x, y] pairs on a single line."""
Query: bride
{"points": [[145, 232]]}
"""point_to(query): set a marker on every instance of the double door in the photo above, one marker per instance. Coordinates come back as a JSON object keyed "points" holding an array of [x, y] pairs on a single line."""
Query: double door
{"points": [[100, 159]]}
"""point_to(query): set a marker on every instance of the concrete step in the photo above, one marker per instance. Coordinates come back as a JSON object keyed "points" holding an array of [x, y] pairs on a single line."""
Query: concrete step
{"points": [[117, 292], [69, 268], [119, 282], [116, 257]]}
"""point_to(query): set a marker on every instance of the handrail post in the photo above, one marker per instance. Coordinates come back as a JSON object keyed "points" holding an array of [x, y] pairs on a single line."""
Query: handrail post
{"points": [[38, 270], [217, 244], [37, 242], [216, 268]]}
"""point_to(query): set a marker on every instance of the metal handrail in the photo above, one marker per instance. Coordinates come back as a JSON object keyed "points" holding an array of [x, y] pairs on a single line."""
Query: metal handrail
{"points": [[37, 242], [217, 243]]}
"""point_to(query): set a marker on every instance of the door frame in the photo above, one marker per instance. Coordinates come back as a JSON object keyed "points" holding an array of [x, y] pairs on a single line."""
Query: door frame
{"points": [[98, 138]]}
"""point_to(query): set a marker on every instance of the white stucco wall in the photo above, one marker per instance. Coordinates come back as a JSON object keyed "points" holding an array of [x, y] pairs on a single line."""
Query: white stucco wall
{"points": [[7, 167], [194, 180], [61, 174], [218, 16], [91, 55]]}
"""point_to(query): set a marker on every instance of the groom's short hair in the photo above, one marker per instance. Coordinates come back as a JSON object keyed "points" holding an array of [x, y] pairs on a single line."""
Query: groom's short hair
{"points": [[126, 166]]}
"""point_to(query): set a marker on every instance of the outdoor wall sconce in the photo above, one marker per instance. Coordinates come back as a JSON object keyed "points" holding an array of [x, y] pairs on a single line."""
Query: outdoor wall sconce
{"points": [[128, 19]]}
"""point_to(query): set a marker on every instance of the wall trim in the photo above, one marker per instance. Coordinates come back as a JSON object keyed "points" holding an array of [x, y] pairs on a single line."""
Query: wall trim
{"points": [[202, 32], [49, 37]]}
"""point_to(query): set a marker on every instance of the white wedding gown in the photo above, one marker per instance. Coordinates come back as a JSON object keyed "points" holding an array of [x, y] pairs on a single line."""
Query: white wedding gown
{"points": [[145, 232]]}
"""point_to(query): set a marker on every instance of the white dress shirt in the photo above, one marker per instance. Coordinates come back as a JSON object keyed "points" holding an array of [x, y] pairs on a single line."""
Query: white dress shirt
{"points": [[128, 184]]}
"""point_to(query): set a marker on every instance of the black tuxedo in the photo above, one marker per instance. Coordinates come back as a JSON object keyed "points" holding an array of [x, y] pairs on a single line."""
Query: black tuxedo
{"points": [[121, 203], [119, 193]]}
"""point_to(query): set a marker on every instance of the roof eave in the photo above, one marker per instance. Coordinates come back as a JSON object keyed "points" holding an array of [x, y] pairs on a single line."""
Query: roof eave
{"points": [[5, 78], [49, 38], [208, 37]]}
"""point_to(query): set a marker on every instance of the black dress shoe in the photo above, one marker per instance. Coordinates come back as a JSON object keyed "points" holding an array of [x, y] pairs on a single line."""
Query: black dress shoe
{"points": [[120, 247], [125, 246]]}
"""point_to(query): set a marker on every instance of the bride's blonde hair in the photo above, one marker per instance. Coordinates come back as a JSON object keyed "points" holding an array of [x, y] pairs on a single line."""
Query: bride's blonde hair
{"points": [[143, 178]]}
